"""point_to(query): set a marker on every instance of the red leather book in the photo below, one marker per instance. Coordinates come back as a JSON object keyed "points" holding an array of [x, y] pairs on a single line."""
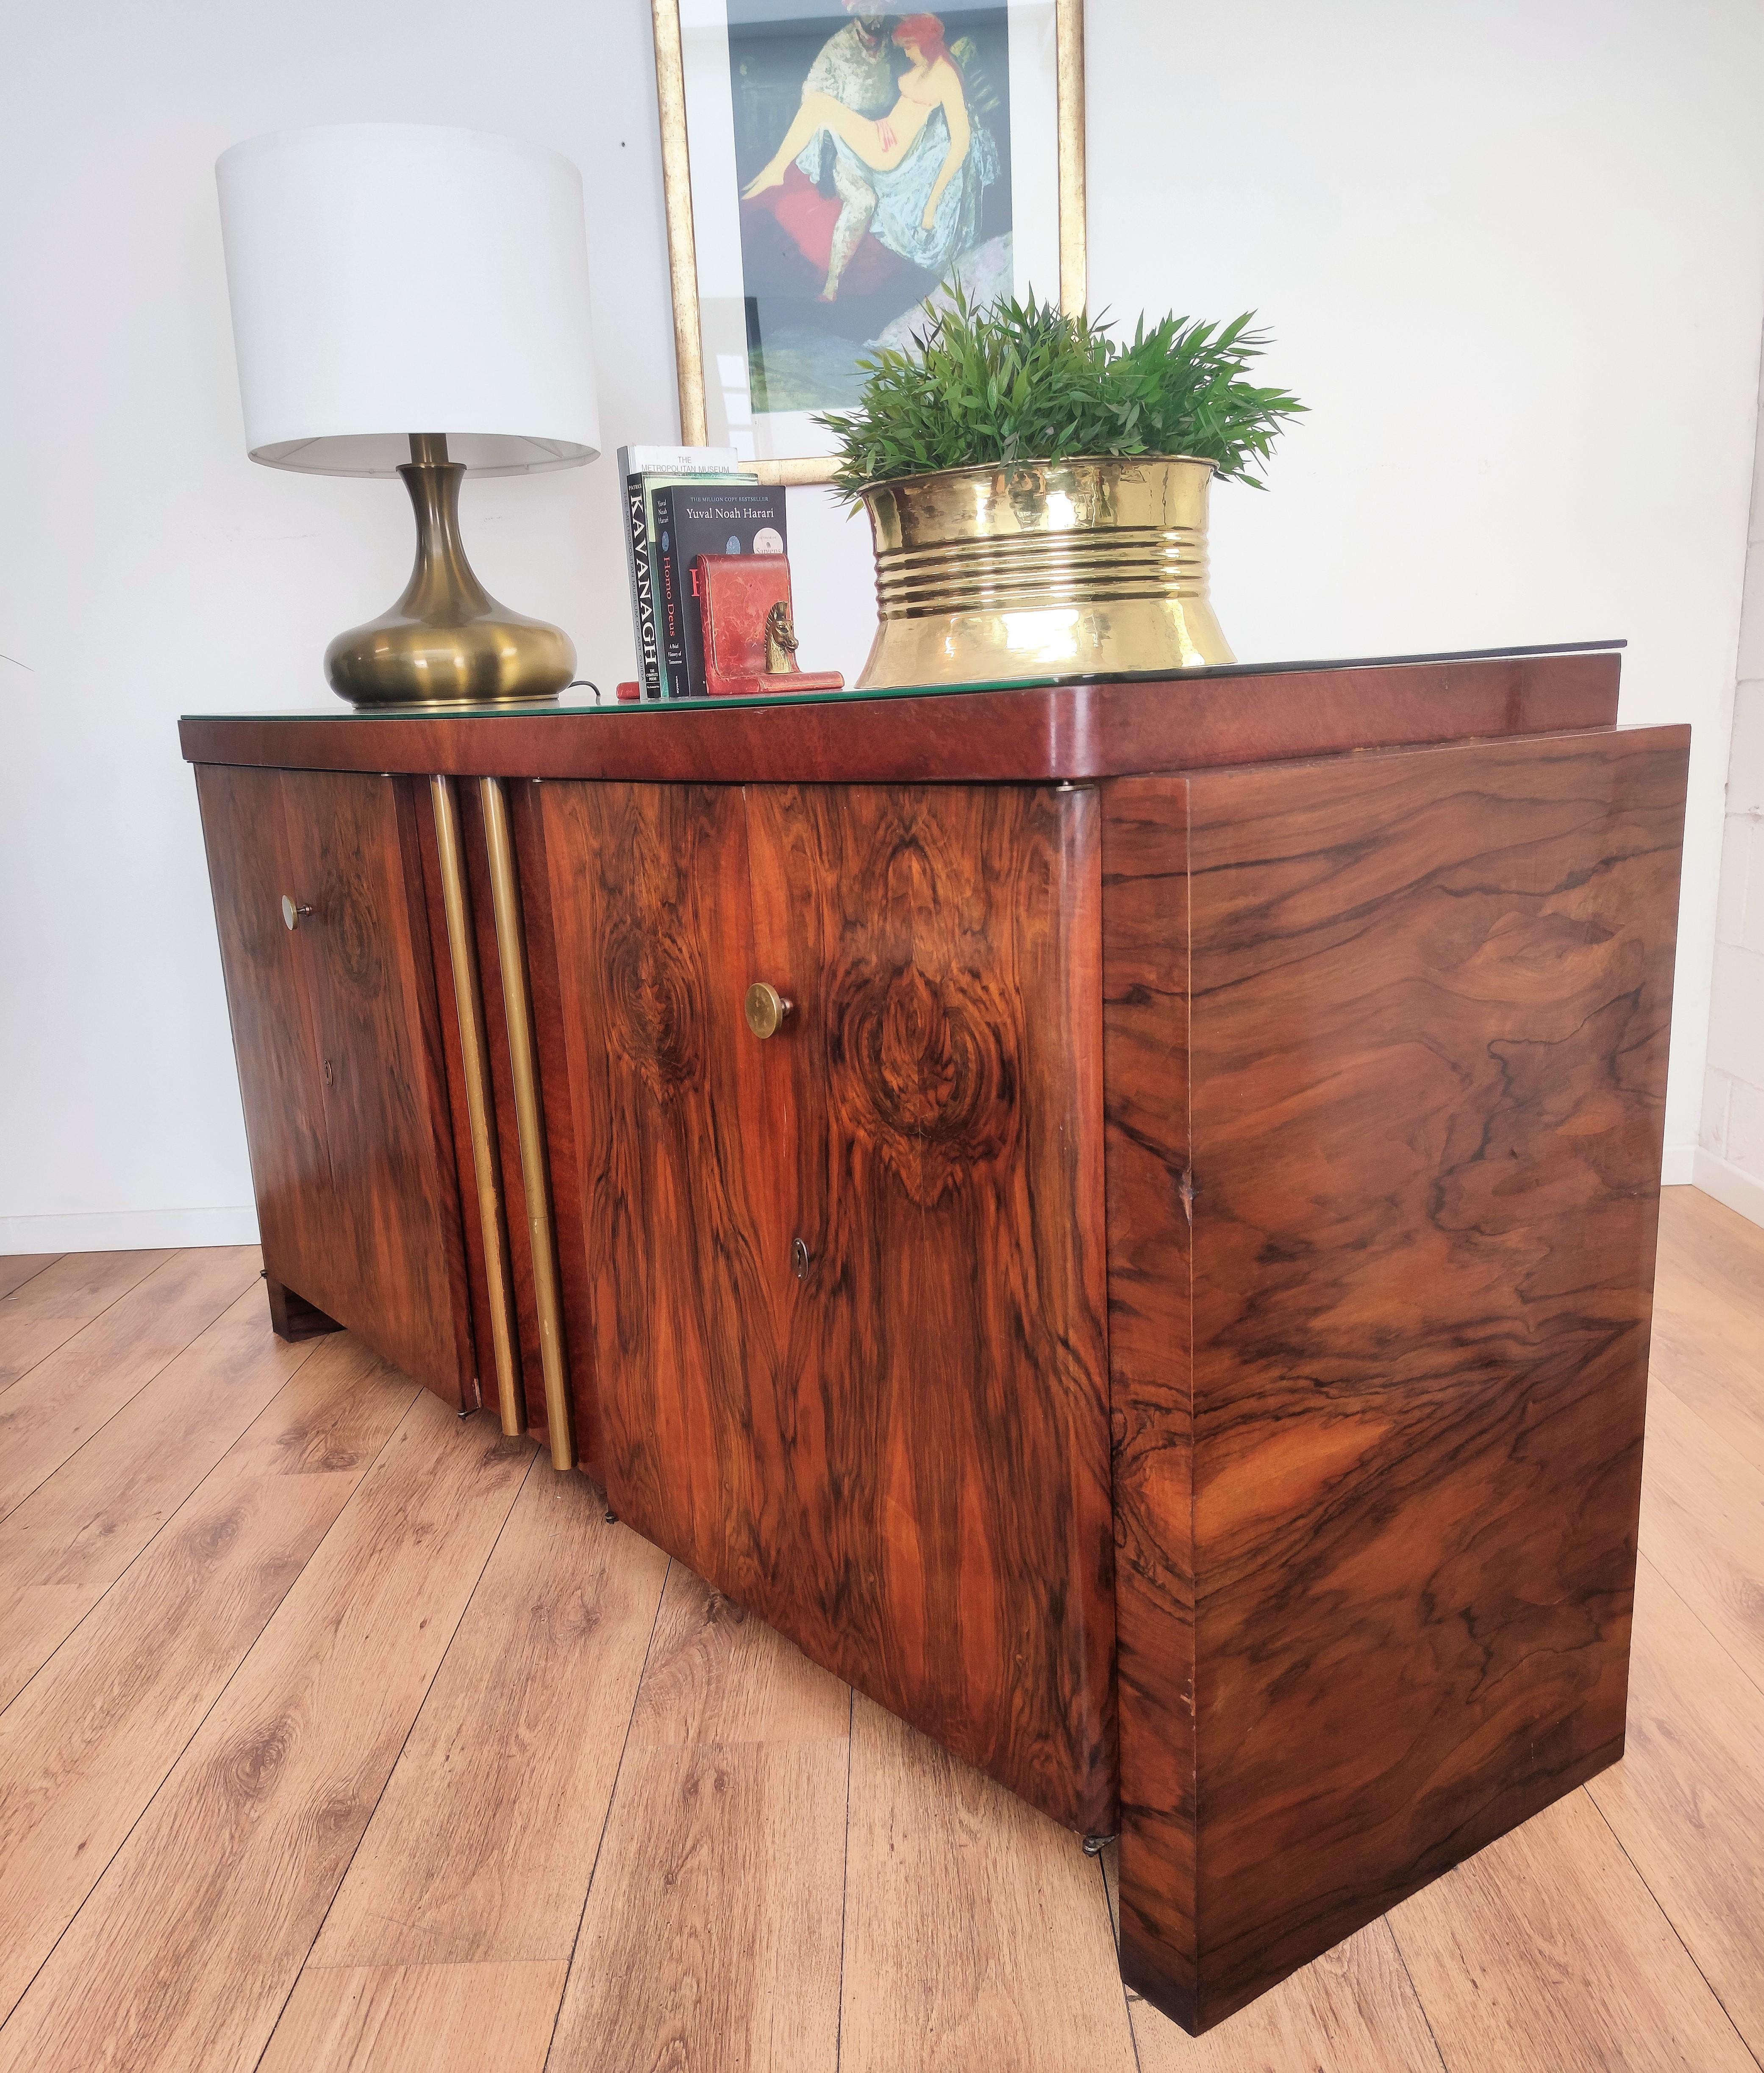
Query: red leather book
{"points": [[736, 594]]}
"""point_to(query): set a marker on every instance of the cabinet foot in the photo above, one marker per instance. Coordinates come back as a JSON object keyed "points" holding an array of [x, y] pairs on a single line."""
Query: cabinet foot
{"points": [[291, 1317]]}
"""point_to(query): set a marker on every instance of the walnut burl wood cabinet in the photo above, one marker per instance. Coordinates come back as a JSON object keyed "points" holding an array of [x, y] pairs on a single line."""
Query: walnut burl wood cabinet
{"points": [[1120, 1217]]}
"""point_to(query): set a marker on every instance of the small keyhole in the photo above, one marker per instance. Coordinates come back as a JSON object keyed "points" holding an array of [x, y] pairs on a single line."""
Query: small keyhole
{"points": [[800, 1262], [327, 1072]]}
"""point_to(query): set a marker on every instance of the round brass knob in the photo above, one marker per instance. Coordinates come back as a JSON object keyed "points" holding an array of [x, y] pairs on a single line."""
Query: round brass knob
{"points": [[290, 914], [767, 1009]]}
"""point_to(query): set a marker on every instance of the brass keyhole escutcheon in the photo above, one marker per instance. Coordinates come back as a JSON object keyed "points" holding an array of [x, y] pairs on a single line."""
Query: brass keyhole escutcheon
{"points": [[766, 1008], [800, 1260], [291, 913]]}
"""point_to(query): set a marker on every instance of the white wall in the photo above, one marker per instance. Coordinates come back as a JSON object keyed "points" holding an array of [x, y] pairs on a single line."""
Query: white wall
{"points": [[1513, 255], [1730, 1157], [147, 568]]}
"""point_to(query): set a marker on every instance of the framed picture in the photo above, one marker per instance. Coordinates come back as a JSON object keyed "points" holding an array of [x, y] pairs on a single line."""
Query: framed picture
{"points": [[829, 166]]}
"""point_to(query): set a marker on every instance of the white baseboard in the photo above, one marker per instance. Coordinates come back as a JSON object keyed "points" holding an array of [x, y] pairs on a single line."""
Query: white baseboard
{"points": [[1730, 1185], [1678, 1166], [129, 1230]]}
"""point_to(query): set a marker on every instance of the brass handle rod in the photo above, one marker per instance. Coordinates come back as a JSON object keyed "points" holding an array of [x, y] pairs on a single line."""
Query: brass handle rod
{"points": [[518, 1000], [479, 1105], [1069, 74]]}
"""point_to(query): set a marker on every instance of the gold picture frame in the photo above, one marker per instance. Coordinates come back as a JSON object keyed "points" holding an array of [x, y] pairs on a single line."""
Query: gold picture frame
{"points": [[682, 253]]}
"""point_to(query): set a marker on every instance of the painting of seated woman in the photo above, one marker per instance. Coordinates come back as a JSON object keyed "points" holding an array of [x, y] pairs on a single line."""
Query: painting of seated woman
{"points": [[878, 158], [887, 181], [915, 178]]}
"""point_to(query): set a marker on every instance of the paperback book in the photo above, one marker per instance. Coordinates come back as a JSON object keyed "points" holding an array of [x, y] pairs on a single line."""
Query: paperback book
{"points": [[644, 469], [700, 518]]}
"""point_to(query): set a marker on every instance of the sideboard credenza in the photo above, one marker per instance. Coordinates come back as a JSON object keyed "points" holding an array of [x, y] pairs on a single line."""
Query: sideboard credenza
{"points": [[1119, 1217]]}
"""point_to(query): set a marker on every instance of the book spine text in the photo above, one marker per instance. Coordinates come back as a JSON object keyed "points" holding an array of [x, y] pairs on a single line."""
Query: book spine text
{"points": [[636, 548]]}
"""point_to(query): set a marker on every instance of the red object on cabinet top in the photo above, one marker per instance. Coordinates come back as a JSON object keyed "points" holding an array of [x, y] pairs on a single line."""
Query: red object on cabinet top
{"points": [[736, 594]]}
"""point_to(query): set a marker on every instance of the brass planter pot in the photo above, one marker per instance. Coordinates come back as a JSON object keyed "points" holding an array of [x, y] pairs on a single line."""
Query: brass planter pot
{"points": [[1044, 569]]}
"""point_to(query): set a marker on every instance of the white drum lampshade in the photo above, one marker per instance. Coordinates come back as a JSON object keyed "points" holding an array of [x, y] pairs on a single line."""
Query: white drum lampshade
{"points": [[415, 301]]}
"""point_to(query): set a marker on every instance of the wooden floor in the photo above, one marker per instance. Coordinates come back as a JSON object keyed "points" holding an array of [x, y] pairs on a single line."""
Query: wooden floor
{"points": [[338, 1733]]}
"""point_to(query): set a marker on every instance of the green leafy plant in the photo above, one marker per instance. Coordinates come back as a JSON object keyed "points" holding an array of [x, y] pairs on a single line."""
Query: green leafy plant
{"points": [[1022, 382]]}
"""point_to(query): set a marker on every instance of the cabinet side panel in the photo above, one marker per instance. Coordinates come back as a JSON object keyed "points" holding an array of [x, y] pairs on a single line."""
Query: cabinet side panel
{"points": [[249, 869], [1145, 1072], [1431, 998], [377, 1023]]}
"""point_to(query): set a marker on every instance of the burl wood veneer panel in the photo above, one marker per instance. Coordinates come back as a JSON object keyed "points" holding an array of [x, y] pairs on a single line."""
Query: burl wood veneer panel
{"points": [[354, 844], [1379, 1519], [337, 1031], [274, 1040], [901, 1458]]}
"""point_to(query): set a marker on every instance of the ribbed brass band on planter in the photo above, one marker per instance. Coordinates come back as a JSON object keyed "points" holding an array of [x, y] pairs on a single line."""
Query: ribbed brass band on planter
{"points": [[1043, 569], [983, 574]]}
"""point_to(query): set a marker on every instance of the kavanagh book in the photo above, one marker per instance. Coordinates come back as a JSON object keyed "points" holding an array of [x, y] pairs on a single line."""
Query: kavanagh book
{"points": [[644, 470], [698, 518]]}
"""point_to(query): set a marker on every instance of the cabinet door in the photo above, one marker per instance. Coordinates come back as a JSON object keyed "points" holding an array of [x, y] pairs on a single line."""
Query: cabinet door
{"points": [[336, 1027], [249, 869], [845, 1283]]}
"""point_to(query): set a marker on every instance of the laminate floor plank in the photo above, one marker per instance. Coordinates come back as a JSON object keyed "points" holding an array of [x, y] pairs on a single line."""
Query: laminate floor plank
{"points": [[1703, 1526], [453, 2018], [49, 1414], [49, 1307], [1353, 2010], [1546, 1950], [18, 1267], [710, 1939], [187, 1948], [90, 1739], [77, 1532], [1706, 1353], [977, 1933], [1686, 1803], [1708, 1316], [480, 1851], [716, 1674], [1707, 1246]]}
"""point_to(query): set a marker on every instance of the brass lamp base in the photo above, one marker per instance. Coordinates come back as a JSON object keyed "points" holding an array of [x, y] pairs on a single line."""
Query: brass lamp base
{"points": [[447, 641]]}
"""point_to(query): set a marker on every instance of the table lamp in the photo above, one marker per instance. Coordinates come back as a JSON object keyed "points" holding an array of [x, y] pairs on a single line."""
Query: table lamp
{"points": [[415, 301]]}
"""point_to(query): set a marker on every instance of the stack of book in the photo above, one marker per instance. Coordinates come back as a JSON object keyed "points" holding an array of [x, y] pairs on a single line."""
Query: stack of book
{"points": [[682, 502]]}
